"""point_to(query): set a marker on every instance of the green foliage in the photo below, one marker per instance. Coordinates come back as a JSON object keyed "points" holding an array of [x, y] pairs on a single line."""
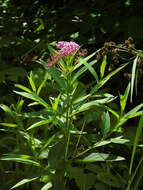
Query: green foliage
{"points": [[62, 130]]}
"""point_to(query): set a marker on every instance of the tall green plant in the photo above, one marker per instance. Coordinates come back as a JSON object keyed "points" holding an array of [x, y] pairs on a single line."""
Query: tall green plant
{"points": [[56, 129]]}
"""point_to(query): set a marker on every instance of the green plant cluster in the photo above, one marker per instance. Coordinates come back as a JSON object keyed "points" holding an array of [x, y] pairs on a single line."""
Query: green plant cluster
{"points": [[78, 123], [64, 134]]}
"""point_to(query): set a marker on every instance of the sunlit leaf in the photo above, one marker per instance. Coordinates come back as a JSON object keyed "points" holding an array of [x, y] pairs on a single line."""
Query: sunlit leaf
{"points": [[105, 79], [8, 124], [24, 181], [123, 98], [103, 66], [33, 97], [101, 157], [83, 60], [133, 76], [32, 84], [47, 186], [23, 88], [38, 124], [19, 158], [92, 70]]}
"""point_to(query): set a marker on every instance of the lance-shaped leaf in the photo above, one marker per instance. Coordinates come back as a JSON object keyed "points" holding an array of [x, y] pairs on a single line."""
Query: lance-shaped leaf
{"points": [[82, 70], [124, 97], [105, 79], [33, 97], [24, 181], [133, 76], [84, 60], [90, 104], [26, 159], [101, 157], [47, 186], [103, 66], [38, 124]]}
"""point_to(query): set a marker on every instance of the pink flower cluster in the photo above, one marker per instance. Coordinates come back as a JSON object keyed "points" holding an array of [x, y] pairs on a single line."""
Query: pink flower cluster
{"points": [[67, 48]]}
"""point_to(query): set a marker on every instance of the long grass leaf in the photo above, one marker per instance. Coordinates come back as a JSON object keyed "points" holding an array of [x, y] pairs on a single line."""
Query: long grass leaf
{"points": [[92, 71], [38, 124], [9, 124], [105, 79], [103, 66], [83, 60], [23, 88], [133, 76], [123, 98], [82, 70], [7, 110], [33, 97], [136, 140], [47, 186], [32, 84], [24, 181], [42, 85]]}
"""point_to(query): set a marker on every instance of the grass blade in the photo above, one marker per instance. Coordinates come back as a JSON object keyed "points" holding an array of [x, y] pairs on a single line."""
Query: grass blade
{"points": [[103, 66], [133, 76], [24, 181]]}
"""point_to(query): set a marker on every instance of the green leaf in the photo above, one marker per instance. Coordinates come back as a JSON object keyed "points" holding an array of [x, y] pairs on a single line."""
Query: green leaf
{"points": [[131, 114], [33, 86], [81, 98], [74, 35], [119, 140], [42, 84], [47, 186], [19, 158], [84, 60], [133, 76], [133, 111], [90, 104], [101, 157], [38, 124], [139, 113], [105, 79], [105, 123], [23, 88], [20, 105], [56, 103], [136, 140], [123, 98], [112, 111], [33, 97], [43, 114], [7, 110], [92, 71], [82, 70], [102, 143], [24, 181], [103, 66], [50, 139], [9, 124], [40, 27]]}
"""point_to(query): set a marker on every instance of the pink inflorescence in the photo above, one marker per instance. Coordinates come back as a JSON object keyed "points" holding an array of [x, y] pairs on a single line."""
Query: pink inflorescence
{"points": [[67, 48]]}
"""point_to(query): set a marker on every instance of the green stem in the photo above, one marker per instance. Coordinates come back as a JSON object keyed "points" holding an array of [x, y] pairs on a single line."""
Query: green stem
{"points": [[131, 178], [67, 135]]}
